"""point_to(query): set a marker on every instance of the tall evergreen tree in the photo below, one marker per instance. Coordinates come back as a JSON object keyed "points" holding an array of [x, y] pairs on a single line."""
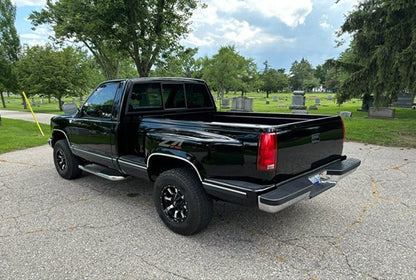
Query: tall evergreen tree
{"points": [[382, 54]]}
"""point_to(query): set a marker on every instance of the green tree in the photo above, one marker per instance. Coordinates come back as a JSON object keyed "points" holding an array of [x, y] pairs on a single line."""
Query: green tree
{"points": [[321, 73], [227, 70], [249, 78], [274, 80], [86, 22], [382, 52], [302, 76], [181, 63], [112, 29], [53, 73], [9, 47]]}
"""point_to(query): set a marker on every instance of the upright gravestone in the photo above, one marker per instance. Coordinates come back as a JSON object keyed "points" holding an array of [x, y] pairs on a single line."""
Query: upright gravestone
{"points": [[225, 103], [241, 103], [317, 101], [298, 100], [275, 98], [404, 100]]}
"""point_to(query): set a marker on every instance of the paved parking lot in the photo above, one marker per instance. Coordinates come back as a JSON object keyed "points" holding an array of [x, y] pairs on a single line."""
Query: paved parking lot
{"points": [[90, 228]]}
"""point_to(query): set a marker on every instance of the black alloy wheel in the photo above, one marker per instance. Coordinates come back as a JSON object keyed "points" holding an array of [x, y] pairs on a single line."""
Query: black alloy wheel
{"points": [[66, 163], [174, 204], [181, 202]]}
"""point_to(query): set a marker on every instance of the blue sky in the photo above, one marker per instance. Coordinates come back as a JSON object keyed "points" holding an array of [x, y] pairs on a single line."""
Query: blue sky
{"points": [[278, 31]]}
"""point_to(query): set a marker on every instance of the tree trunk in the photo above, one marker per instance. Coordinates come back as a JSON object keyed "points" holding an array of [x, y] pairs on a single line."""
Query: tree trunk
{"points": [[60, 103], [24, 102], [2, 99]]}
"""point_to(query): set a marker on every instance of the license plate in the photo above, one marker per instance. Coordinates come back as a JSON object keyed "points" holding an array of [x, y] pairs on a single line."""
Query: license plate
{"points": [[317, 178]]}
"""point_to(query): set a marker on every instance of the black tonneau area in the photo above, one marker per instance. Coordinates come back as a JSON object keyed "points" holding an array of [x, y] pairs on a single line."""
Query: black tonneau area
{"points": [[305, 142], [237, 118]]}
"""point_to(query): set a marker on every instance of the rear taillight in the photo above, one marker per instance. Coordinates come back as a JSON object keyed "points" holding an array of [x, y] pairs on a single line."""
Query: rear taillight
{"points": [[267, 153]]}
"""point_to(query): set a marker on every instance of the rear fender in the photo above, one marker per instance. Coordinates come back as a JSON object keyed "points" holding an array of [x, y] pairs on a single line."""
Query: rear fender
{"points": [[162, 160]]}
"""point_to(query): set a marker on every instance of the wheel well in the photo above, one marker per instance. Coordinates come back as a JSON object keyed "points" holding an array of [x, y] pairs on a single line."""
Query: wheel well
{"points": [[57, 135], [159, 164]]}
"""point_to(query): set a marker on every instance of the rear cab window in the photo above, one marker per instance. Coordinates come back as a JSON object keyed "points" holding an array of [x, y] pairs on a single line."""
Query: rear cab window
{"points": [[146, 96]]}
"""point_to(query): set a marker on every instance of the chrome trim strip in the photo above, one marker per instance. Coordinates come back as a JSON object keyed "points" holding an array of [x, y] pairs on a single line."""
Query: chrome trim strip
{"points": [[266, 187], [120, 161], [225, 189], [90, 153], [176, 157], [64, 133]]}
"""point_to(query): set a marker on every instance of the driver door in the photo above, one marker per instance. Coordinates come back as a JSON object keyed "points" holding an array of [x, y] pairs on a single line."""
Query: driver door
{"points": [[92, 131]]}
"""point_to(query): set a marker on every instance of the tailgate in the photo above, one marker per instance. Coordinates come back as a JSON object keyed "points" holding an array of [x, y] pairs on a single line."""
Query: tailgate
{"points": [[308, 144]]}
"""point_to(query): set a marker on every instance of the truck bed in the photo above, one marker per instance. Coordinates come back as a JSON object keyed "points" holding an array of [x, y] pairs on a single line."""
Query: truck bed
{"points": [[305, 142]]}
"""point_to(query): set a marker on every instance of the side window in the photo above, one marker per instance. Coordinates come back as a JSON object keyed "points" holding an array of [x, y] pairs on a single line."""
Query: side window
{"points": [[174, 96], [145, 96], [197, 96], [100, 102]]}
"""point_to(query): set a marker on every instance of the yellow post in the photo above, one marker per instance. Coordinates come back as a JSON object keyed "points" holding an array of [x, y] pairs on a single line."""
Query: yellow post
{"points": [[33, 114]]}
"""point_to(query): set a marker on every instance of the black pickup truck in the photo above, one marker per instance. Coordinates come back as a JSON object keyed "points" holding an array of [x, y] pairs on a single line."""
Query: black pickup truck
{"points": [[168, 130]]}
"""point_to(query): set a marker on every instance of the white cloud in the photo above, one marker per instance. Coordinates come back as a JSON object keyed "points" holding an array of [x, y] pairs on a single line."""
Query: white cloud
{"points": [[35, 42], [21, 3], [39, 36], [218, 23], [228, 6], [292, 13], [324, 23], [208, 15], [243, 34], [30, 36], [208, 40]]}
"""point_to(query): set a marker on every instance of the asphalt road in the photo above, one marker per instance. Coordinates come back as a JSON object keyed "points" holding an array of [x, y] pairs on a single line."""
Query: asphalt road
{"points": [[90, 228]]}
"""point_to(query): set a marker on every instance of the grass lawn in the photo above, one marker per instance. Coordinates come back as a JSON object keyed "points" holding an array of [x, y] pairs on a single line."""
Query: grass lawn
{"points": [[17, 135], [14, 102]]}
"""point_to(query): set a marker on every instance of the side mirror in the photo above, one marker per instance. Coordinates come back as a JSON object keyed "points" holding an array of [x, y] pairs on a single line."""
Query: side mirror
{"points": [[69, 108]]}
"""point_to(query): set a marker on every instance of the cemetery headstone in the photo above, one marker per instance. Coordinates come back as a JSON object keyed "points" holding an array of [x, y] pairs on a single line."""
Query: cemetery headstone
{"points": [[225, 103], [404, 100], [345, 114], [298, 100], [242, 103], [382, 113]]}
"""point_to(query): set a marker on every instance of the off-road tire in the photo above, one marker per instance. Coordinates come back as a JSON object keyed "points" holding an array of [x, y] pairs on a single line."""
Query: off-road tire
{"points": [[66, 163], [181, 202]]}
